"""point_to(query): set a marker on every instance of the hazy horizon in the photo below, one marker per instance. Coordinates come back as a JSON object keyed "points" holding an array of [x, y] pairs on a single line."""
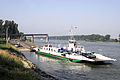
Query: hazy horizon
{"points": [[55, 17]]}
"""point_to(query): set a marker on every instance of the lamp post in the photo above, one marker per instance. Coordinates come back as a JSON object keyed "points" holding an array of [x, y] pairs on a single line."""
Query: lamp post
{"points": [[7, 35]]}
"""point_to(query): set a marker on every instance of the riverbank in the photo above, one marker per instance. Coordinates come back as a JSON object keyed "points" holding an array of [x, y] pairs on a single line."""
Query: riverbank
{"points": [[14, 66]]}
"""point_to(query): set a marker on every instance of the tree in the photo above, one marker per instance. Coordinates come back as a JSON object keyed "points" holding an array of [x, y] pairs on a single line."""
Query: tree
{"points": [[13, 27], [1, 25], [21, 33], [119, 37], [107, 37], [116, 40]]}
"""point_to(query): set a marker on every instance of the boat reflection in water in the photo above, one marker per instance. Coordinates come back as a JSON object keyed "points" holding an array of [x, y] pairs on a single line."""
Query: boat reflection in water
{"points": [[61, 68]]}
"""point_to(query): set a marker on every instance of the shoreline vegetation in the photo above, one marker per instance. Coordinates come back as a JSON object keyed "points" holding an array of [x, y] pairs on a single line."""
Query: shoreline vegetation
{"points": [[89, 38], [14, 65], [12, 28]]}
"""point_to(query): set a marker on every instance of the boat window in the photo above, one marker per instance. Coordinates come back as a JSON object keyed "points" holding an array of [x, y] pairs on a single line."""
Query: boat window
{"points": [[51, 49], [54, 50], [46, 48], [71, 42]]}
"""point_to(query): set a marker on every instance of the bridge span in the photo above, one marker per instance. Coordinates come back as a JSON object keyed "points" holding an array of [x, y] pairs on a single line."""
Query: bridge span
{"points": [[22, 35]]}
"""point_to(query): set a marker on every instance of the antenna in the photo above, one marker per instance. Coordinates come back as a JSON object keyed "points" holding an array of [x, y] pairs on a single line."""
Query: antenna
{"points": [[72, 31]]}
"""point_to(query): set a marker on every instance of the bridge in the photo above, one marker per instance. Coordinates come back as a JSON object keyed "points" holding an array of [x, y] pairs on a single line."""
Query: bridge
{"points": [[22, 35]]}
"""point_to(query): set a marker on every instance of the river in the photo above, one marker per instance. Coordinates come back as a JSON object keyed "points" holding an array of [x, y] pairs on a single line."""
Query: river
{"points": [[65, 70]]}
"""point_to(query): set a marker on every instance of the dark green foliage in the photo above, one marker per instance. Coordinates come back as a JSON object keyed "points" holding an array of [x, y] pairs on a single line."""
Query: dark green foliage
{"points": [[29, 40], [107, 37], [25, 38], [119, 37], [1, 25], [2, 41], [13, 27], [115, 40], [93, 37], [21, 33]]}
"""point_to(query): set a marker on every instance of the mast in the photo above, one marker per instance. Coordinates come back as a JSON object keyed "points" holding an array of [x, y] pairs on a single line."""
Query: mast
{"points": [[72, 31], [72, 42]]}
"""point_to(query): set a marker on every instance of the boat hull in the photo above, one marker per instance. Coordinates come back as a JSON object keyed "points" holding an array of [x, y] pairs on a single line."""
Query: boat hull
{"points": [[57, 57]]}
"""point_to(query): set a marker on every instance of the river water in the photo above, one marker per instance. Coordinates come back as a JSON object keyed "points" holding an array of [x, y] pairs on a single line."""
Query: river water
{"points": [[65, 70]]}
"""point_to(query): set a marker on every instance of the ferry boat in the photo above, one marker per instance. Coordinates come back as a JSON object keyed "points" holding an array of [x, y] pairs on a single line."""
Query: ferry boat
{"points": [[72, 53]]}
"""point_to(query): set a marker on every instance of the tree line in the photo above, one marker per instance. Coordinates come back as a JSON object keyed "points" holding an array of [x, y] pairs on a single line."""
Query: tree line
{"points": [[11, 25], [92, 37], [13, 29]]}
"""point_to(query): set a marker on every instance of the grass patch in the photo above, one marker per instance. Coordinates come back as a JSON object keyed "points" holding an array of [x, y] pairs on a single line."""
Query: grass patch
{"points": [[29, 40], [11, 68], [2, 41], [9, 60], [4, 46]]}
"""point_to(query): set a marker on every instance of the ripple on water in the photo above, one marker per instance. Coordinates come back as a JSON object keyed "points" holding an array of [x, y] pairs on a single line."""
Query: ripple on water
{"points": [[66, 70]]}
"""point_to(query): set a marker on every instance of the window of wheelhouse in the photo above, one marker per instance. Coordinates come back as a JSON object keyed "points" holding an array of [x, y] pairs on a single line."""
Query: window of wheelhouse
{"points": [[46, 48], [52, 50], [71, 42]]}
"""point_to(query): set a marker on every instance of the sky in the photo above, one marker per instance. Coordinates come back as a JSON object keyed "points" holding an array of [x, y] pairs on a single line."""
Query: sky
{"points": [[55, 17]]}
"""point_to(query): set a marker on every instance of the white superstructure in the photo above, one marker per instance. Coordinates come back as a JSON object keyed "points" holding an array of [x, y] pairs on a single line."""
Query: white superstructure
{"points": [[73, 52]]}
